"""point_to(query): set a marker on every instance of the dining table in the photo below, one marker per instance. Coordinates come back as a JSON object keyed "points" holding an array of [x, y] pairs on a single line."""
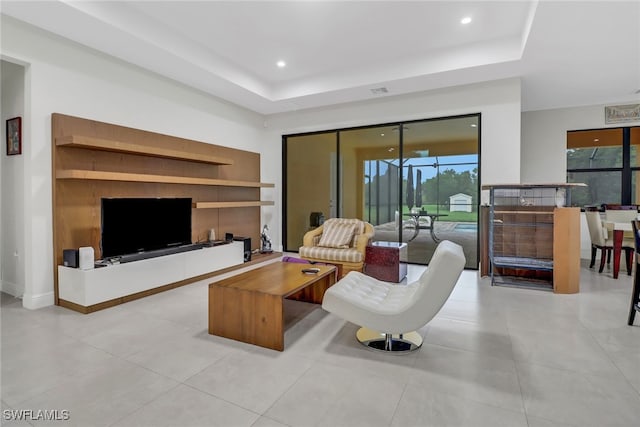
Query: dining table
{"points": [[619, 229]]}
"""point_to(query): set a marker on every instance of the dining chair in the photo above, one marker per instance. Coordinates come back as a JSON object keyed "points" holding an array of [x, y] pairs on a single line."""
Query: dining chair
{"points": [[602, 239], [598, 236], [635, 291]]}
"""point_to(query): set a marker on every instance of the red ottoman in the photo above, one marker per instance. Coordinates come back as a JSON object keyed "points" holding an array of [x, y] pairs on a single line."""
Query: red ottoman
{"points": [[382, 261]]}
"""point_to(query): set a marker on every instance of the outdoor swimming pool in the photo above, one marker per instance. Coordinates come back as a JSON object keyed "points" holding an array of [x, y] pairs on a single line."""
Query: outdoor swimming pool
{"points": [[468, 227]]}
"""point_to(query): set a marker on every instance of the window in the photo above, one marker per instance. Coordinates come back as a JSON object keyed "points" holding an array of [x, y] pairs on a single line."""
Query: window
{"points": [[608, 161]]}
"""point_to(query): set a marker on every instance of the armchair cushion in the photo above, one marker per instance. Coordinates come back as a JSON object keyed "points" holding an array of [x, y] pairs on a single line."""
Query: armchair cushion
{"points": [[337, 235], [331, 254], [350, 256]]}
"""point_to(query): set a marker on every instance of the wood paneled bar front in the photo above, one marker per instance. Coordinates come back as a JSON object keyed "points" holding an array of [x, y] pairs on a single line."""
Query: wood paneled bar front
{"points": [[92, 160]]}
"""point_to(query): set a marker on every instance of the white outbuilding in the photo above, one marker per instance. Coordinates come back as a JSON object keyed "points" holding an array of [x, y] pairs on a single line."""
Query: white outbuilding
{"points": [[460, 203]]}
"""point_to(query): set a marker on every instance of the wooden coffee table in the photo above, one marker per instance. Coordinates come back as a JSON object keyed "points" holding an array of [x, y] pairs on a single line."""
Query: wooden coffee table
{"points": [[248, 307]]}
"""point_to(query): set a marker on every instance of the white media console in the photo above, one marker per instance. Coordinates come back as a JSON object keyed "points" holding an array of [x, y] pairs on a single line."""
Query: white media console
{"points": [[99, 285]]}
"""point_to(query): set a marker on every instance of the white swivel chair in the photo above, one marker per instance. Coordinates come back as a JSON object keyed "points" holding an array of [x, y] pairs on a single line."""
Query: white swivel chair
{"points": [[390, 313]]}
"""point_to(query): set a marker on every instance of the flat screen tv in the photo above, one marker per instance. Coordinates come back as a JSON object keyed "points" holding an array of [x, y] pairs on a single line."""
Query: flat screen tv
{"points": [[133, 225]]}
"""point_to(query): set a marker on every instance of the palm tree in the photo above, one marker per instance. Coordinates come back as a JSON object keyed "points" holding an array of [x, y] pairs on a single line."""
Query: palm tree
{"points": [[419, 189]]}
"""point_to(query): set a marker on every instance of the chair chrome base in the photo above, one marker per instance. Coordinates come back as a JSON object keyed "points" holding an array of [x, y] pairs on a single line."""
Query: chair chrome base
{"points": [[388, 343]]}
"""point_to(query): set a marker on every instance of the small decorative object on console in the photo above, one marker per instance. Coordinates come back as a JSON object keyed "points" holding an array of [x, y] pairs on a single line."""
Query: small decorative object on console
{"points": [[71, 258], [266, 241], [247, 246], [86, 258]]}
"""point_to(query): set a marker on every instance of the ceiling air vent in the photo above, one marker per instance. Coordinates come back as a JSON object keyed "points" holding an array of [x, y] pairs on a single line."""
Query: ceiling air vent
{"points": [[379, 90]]}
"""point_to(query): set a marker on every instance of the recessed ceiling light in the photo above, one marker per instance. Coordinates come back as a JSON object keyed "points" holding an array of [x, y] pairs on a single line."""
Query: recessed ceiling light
{"points": [[382, 134], [466, 20], [473, 125], [596, 140], [281, 64]]}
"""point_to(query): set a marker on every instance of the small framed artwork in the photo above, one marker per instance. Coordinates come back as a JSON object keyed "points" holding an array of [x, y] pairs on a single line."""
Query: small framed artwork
{"points": [[621, 113], [14, 136]]}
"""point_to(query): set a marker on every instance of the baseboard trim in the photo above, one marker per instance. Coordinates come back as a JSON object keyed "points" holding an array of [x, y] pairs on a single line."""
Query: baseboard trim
{"points": [[34, 302], [11, 288]]}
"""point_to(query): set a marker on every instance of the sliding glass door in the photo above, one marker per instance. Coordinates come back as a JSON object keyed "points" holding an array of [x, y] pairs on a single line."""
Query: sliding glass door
{"points": [[415, 182], [440, 186], [369, 165], [310, 184]]}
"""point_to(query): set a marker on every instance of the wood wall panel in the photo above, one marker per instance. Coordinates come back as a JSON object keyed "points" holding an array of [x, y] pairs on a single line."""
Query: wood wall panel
{"points": [[76, 203], [566, 272]]}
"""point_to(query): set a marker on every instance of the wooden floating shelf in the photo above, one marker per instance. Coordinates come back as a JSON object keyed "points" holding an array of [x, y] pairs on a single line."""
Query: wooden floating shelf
{"points": [[137, 177], [145, 150], [244, 204]]}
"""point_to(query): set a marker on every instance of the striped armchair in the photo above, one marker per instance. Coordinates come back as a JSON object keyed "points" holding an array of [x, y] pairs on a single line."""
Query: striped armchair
{"points": [[338, 241]]}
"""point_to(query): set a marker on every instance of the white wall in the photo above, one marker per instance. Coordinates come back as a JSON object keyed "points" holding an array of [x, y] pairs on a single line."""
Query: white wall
{"points": [[544, 145], [67, 78], [12, 171], [544, 139], [498, 102]]}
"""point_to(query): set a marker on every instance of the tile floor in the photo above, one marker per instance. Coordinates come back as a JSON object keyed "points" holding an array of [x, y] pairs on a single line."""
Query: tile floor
{"points": [[494, 356]]}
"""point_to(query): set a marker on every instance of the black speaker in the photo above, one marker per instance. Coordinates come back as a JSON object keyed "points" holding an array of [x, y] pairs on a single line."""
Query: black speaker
{"points": [[316, 219], [228, 237], [71, 258], [247, 246]]}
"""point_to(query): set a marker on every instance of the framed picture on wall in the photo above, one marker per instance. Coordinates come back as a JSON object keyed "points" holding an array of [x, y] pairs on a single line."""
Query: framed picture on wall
{"points": [[14, 136], [621, 113]]}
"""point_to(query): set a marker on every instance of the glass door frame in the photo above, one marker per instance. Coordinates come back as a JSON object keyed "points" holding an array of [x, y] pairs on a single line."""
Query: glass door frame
{"points": [[400, 125]]}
